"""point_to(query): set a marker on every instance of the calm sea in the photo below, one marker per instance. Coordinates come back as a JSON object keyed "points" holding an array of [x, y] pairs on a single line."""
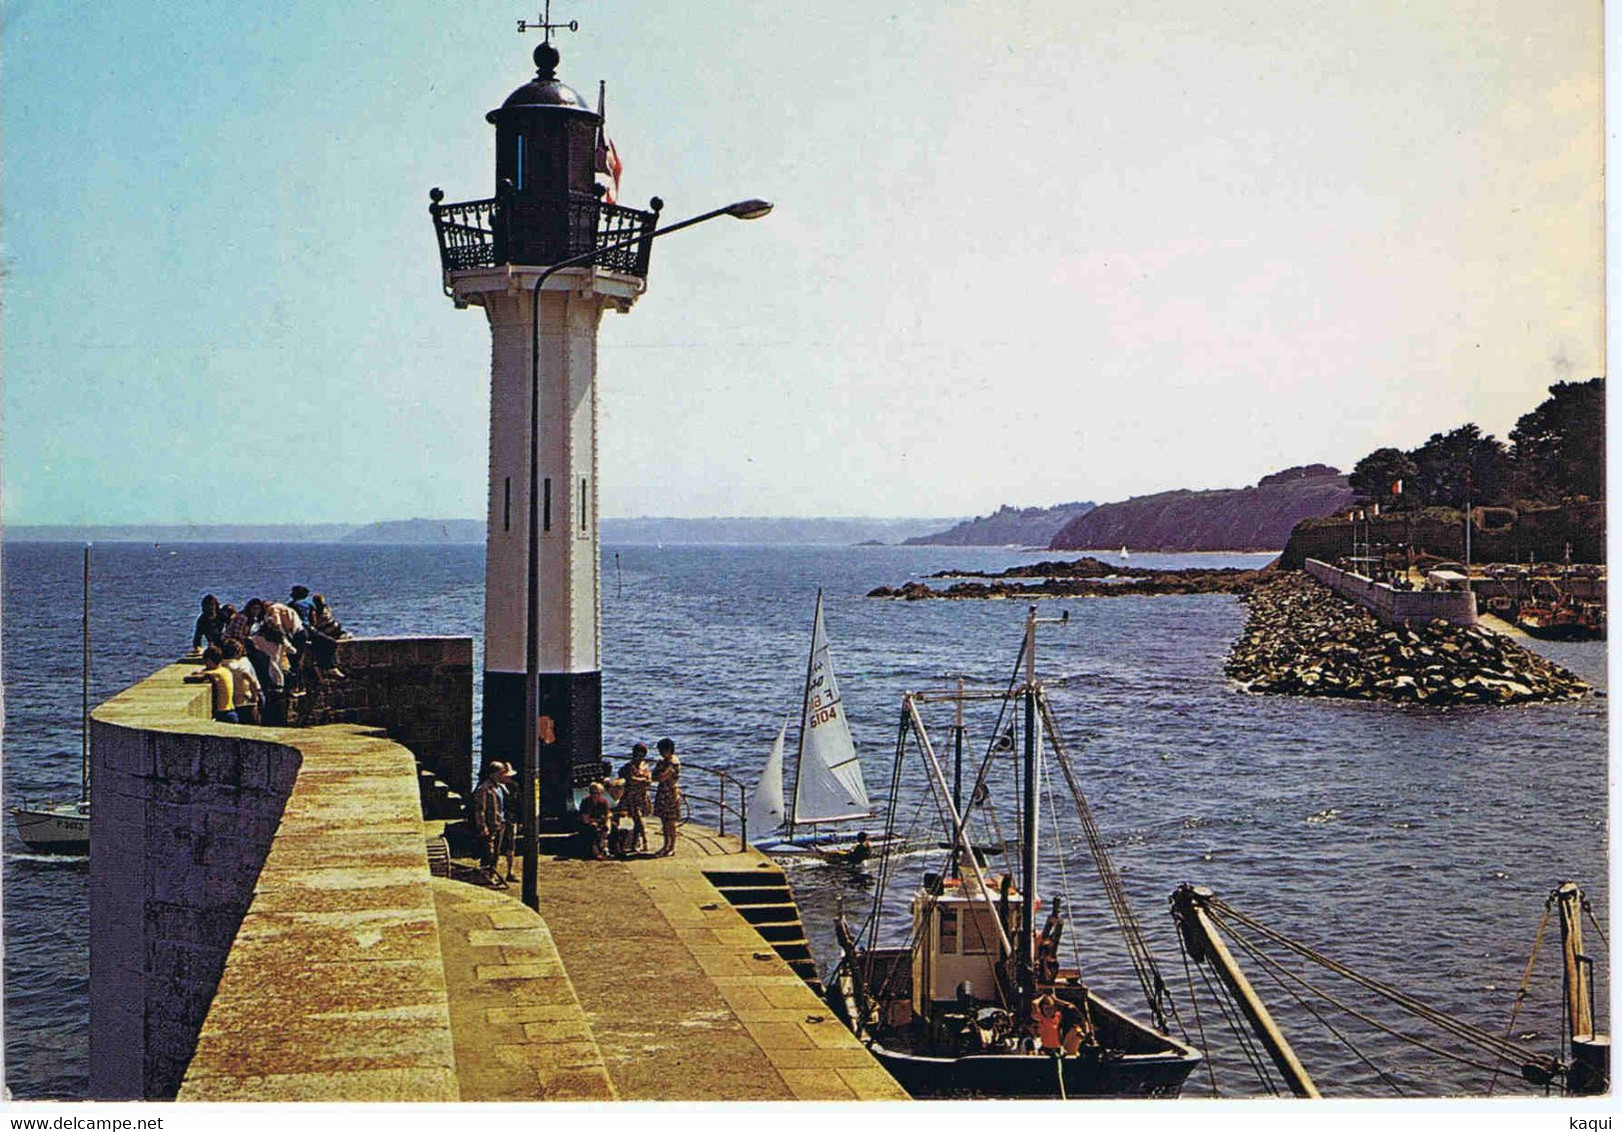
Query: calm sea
{"points": [[1418, 844]]}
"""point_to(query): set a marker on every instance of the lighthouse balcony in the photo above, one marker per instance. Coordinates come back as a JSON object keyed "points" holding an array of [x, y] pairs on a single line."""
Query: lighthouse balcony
{"points": [[538, 232]]}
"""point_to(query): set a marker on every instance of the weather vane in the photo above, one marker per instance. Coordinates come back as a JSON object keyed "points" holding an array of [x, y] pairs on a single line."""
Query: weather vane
{"points": [[544, 24]]}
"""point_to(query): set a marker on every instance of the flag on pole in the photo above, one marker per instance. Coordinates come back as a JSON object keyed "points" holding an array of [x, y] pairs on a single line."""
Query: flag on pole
{"points": [[608, 168], [607, 163]]}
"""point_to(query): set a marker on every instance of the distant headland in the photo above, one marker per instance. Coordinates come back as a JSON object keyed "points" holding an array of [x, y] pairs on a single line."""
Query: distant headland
{"points": [[417, 532]]}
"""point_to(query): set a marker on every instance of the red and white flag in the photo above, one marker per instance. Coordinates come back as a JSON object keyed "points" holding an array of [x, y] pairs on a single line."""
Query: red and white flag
{"points": [[1396, 488], [606, 163], [608, 167]]}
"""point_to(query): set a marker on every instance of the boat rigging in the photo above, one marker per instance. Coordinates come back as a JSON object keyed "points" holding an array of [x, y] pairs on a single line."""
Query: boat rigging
{"points": [[975, 1002], [1207, 924]]}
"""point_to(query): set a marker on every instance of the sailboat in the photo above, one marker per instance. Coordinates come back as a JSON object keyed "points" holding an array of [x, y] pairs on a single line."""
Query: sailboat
{"points": [[828, 786], [975, 1001], [64, 827], [1124, 554]]}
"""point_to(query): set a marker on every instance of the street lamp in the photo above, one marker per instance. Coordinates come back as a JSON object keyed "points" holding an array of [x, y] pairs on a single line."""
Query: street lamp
{"points": [[529, 797]]}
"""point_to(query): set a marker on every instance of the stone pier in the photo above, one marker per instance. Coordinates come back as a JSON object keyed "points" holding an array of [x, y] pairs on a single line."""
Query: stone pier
{"points": [[265, 925]]}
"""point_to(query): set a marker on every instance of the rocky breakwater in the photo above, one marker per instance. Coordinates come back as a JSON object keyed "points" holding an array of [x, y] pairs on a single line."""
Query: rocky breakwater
{"points": [[1302, 639], [1084, 577]]}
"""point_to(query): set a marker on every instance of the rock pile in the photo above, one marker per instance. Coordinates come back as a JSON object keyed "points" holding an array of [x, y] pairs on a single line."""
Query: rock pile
{"points": [[1081, 578], [1304, 640]]}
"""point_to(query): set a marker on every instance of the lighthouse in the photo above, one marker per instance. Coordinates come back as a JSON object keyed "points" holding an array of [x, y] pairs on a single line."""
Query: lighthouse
{"points": [[544, 256], [542, 624]]}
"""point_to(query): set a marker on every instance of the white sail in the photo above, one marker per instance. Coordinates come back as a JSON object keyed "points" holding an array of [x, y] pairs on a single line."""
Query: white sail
{"points": [[829, 784], [765, 810]]}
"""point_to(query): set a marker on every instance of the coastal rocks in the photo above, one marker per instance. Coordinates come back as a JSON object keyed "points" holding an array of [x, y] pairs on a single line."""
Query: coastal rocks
{"points": [[1085, 577], [1303, 640]]}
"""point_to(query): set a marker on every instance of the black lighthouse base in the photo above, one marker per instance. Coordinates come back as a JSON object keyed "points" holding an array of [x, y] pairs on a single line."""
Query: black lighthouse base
{"points": [[569, 735]]}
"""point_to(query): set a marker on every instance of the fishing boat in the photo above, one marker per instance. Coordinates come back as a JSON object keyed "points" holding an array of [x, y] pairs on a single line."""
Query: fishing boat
{"points": [[973, 1000], [64, 827], [829, 793], [1553, 615]]}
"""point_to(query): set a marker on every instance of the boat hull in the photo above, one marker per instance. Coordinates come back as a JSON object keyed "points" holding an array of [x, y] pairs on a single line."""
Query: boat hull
{"points": [[1027, 1075], [54, 829], [1560, 630], [1155, 1066]]}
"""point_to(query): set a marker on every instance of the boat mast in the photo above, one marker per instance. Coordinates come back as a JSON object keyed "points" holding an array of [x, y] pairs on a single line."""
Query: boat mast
{"points": [[957, 751], [1027, 920], [1033, 758], [957, 771], [1200, 937], [1591, 1052], [805, 710], [84, 690]]}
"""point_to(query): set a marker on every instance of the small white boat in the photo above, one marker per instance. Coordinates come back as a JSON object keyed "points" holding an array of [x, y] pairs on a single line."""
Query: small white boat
{"points": [[828, 786], [1124, 554], [61, 827], [64, 827]]}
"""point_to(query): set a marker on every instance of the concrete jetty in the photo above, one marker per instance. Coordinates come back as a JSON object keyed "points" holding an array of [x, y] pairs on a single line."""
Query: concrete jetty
{"points": [[266, 925]]}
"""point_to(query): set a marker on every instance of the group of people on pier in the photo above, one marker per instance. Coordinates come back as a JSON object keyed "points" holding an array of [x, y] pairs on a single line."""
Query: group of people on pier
{"points": [[642, 789], [607, 805], [259, 657]]}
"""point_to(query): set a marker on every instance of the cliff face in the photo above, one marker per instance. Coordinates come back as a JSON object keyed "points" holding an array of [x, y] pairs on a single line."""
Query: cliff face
{"points": [[1008, 526], [1248, 518]]}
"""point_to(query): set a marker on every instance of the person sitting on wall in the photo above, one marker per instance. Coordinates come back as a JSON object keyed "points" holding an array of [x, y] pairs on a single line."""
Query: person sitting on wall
{"points": [[318, 651], [323, 621], [594, 819], [214, 672]]}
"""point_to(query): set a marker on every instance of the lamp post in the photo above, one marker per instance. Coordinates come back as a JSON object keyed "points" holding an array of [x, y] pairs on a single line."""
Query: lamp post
{"points": [[529, 795]]}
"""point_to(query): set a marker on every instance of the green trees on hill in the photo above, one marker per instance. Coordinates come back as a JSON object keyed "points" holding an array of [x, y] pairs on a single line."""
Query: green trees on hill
{"points": [[1560, 445], [1557, 451], [1377, 475]]}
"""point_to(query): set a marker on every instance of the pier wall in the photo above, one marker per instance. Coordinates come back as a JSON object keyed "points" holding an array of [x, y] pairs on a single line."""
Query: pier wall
{"points": [[187, 813], [1396, 607], [419, 688], [183, 817], [265, 926]]}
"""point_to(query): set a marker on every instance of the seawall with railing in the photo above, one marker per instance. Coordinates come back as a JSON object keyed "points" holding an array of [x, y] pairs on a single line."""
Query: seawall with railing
{"points": [[1393, 606]]}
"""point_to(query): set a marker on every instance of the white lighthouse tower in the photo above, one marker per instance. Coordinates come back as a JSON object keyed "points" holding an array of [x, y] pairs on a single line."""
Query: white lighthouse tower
{"points": [[542, 638]]}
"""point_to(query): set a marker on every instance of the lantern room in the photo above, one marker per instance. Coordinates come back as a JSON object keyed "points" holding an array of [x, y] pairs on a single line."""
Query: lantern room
{"points": [[547, 206], [546, 148]]}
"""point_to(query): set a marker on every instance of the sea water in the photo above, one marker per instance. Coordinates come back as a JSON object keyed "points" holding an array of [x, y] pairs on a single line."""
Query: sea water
{"points": [[1417, 844]]}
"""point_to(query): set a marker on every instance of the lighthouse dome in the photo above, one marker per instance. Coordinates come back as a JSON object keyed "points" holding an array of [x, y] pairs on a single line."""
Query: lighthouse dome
{"points": [[545, 90]]}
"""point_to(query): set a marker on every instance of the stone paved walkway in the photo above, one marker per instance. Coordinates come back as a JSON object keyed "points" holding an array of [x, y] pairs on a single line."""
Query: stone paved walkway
{"points": [[517, 1027], [680, 997]]}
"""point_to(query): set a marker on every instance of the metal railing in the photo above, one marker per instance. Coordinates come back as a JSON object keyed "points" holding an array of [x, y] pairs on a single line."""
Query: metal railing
{"points": [[724, 782], [538, 231]]}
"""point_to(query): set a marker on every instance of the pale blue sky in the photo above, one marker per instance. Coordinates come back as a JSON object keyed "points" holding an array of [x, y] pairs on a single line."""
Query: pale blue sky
{"points": [[1023, 252]]}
